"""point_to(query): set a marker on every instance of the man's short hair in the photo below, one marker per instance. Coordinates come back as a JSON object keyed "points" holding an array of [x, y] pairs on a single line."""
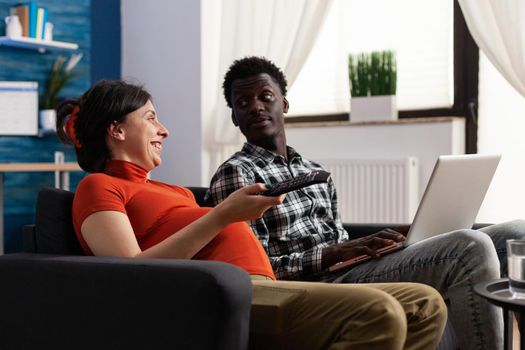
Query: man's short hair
{"points": [[247, 67]]}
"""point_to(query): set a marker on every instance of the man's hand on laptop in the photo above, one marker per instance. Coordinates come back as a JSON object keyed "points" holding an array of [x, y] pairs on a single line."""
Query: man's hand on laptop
{"points": [[397, 235], [361, 246], [403, 229]]}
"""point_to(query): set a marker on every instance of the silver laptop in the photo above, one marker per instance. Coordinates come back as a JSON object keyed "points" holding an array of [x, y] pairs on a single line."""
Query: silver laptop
{"points": [[451, 201]]}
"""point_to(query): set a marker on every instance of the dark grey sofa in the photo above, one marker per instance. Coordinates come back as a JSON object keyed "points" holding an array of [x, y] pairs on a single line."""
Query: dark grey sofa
{"points": [[53, 297]]}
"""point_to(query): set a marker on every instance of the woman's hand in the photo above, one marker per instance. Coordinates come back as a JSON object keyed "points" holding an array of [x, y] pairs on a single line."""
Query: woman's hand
{"points": [[244, 204]]}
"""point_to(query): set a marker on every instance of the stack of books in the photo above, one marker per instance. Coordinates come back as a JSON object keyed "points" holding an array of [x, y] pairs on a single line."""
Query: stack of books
{"points": [[32, 18]]}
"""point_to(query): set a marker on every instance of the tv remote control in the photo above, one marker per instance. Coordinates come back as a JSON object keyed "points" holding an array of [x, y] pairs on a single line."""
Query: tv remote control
{"points": [[316, 176]]}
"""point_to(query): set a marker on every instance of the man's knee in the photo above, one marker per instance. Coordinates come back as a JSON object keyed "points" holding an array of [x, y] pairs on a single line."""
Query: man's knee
{"points": [[378, 310], [418, 300], [476, 250], [474, 242], [506, 230], [518, 223], [430, 303], [367, 314], [389, 314]]}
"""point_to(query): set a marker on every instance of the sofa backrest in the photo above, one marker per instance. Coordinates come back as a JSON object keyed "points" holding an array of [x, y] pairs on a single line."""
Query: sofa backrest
{"points": [[54, 232], [199, 193]]}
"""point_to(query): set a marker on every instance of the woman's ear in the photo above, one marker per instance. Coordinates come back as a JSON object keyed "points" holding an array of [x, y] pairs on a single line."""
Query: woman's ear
{"points": [[115, 131], [285, 105]]}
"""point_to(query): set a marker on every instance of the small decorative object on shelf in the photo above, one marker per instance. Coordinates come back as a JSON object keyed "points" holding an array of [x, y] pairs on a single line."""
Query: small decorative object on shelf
{"points": [[13, 28], [47, 119], [373, 82], [61, 73]]}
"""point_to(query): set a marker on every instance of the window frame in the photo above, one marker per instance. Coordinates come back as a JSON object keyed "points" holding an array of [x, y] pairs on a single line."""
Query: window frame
{"points": [[466, 69]]}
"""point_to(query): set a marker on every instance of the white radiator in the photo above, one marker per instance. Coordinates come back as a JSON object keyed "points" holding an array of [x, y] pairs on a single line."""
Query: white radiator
{"points": [[375, 190]]}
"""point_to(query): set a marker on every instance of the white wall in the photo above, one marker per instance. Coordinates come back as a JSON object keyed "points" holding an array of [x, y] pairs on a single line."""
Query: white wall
{"points": [[425, 141], [161, 48]]}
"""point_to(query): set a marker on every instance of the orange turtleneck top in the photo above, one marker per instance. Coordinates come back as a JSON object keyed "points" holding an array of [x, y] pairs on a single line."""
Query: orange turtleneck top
{"points": [[157, 210]]}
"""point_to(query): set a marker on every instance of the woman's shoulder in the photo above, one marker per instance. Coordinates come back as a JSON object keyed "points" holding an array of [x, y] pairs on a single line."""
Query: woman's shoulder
{"points": [[97, 184], [96, 180]]}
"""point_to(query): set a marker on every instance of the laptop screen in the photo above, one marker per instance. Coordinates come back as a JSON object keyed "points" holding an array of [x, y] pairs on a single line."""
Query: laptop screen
{"points": [[453, 195]]}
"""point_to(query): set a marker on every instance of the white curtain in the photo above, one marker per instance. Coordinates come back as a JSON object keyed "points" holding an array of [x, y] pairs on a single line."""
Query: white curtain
{"points": [[498, 27], [283, 31]]}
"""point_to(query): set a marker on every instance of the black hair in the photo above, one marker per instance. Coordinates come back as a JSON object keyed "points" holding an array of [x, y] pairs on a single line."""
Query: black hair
{"points": [[104, 103], [249, 66]]}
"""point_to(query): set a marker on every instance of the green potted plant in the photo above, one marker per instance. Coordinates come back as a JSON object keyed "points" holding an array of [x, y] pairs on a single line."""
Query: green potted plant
{"points": [[60, 74], [373, 83]]}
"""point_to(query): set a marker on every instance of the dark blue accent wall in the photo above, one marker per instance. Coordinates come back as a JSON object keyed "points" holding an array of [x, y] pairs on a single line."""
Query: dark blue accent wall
{"points": [[105, 40], [72, 23]]}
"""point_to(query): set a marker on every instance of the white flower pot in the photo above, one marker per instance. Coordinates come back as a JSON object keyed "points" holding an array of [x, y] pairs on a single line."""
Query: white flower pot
{"points": [[48, 119], [373, 108]]}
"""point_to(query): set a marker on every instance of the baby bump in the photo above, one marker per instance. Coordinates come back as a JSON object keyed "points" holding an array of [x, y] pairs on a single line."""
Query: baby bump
{"points": [[235, 244]]}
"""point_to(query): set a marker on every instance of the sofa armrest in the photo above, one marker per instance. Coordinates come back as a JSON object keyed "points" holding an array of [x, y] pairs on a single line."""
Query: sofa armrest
{"points": [[80, 302]]}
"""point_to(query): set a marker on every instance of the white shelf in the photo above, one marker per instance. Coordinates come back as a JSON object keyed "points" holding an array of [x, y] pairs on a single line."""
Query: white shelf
{"points": [[37, 44]]}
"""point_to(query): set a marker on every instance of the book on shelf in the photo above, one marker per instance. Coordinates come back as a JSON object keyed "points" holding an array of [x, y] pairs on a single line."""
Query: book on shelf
{"points": [[22, 11], [41, 20], [33, 9]]}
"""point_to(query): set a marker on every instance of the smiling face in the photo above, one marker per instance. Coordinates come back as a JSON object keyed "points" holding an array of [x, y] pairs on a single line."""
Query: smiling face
{"points": [[138, 139], [258, 108]]}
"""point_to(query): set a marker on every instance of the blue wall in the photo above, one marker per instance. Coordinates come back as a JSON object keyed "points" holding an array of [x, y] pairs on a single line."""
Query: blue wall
{"points": [[105, 39], [72, 23]]}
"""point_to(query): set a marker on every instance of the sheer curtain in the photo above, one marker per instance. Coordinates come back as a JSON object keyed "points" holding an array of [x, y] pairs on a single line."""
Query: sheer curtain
{"points": [[421, 33], [498, 27], [283, 31]]}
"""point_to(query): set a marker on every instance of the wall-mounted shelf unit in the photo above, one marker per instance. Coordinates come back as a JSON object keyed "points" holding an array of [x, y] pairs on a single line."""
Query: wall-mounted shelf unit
{"points": [[37, 44]]}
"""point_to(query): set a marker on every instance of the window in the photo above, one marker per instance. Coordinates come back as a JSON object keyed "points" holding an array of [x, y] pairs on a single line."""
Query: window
{"points": [[421, 33], [327, 93]]}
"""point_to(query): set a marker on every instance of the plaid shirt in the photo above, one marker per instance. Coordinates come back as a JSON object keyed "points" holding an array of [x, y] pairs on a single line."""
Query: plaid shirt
{"points": [[294, 232]]}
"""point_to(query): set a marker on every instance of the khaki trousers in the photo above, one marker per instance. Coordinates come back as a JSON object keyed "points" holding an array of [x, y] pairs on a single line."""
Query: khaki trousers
{"points": [[310, 315]]}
